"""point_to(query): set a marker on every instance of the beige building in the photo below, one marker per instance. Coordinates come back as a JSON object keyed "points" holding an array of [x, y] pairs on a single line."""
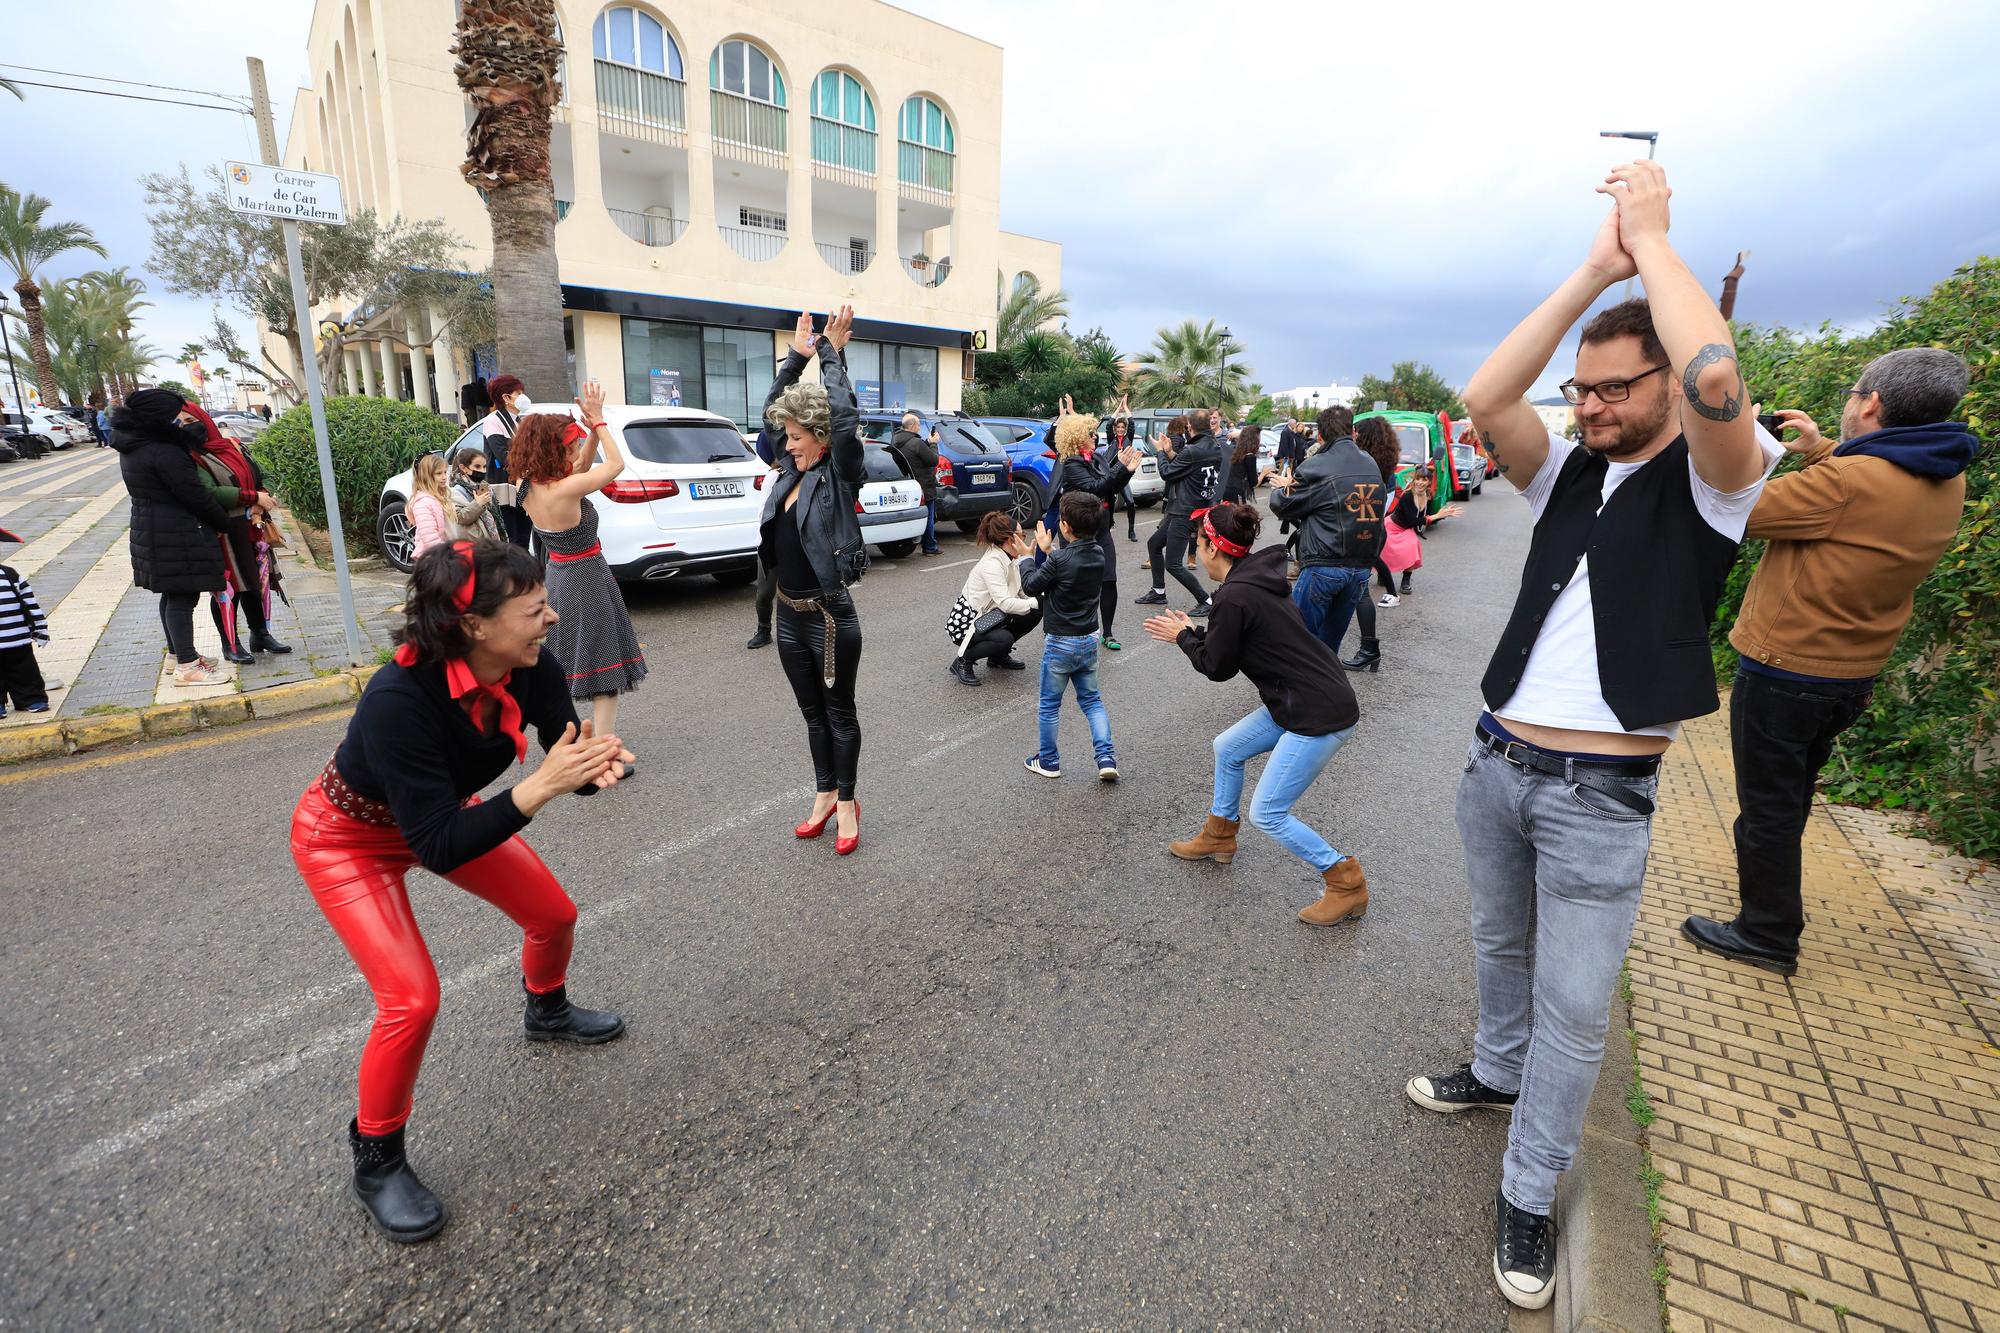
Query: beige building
{"points": [[718, 167]]}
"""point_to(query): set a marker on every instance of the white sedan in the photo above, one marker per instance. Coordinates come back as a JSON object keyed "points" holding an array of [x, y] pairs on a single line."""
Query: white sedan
{"points": [[688, 501], [59, 430]]}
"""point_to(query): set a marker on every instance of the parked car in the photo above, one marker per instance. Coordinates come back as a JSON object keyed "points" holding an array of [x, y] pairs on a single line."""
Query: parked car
{"points": [[1033, 462], [974, 474], [249, 425], [689, 500], [1468, 471], [22, 443], [890, 504], [60, 431]]}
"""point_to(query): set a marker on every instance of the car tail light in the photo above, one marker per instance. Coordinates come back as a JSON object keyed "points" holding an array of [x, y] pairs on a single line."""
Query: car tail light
{"points": [[858, 509], [1048, 453], [640, 492], [759, 481]]}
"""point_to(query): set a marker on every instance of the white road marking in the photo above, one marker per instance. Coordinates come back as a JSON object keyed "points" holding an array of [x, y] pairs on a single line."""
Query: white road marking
{"points": [[928, 569], [52, 485], [59, 538]]}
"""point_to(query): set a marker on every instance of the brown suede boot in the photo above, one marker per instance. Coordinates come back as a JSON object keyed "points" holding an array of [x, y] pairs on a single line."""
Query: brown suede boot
{"points": [[1346, 895], [1217, 841]]}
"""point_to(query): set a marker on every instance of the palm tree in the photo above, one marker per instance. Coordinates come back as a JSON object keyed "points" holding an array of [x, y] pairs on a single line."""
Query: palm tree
{"points": [[190, 352], [1026, 309], [1186, 368], [1038, 350], [27, 243], [118, 293], [507, 53], [10, 86]]}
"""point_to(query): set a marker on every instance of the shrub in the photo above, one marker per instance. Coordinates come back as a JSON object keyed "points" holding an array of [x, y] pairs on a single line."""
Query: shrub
{"points": [[1930, 741], [372, 439]]}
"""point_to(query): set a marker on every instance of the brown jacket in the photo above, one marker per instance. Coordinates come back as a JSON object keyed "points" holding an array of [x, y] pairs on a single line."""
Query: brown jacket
{"points": [[1850, 540]]}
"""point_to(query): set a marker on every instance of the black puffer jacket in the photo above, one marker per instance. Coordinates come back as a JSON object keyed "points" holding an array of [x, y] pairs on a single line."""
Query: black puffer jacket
{"points": [[175, 519], [1254, 628], [825, 509]]}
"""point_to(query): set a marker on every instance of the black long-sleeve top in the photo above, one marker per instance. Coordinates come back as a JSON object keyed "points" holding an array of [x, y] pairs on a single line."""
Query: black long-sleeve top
{"points": [[1254, 628], [411, 746]]}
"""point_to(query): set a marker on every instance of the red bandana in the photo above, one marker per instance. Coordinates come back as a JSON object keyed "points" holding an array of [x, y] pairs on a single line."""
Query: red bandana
{"points": [[1234, 550], [458, 677]]}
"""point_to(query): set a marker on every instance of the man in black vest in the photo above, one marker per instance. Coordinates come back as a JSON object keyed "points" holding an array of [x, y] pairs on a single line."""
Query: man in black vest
{"points": [[1606, 653]]}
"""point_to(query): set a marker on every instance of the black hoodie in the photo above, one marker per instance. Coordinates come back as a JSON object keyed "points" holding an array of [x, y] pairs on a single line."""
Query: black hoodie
{"points": [[1255, 629]]}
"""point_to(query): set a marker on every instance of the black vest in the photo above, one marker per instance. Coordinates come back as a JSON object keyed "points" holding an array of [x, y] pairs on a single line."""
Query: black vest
{"points": [[1656, 572]]}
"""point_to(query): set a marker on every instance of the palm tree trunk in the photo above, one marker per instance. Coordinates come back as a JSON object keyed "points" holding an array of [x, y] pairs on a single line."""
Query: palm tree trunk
{"points": [[38, 341], [527, 295]]}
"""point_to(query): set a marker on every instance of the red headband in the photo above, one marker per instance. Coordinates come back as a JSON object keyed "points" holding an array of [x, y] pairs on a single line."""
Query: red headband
{"points": [[461, 598], [1234, 550]]}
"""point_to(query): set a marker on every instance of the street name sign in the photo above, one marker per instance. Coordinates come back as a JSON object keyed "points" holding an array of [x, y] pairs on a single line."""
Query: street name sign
{"points": [[279, 192]]}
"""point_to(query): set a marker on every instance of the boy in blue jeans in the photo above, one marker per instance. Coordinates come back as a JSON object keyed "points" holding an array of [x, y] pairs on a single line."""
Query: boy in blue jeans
{"points": [[1068, 582]]}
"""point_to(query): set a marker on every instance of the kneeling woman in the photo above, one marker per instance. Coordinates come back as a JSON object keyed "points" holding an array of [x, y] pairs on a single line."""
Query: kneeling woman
{"points": [[1309, 708], [812, 544], [433, 728]]}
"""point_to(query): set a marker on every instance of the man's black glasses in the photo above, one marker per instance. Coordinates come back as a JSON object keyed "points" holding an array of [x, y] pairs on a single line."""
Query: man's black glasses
{"points": [[1610, 391]]}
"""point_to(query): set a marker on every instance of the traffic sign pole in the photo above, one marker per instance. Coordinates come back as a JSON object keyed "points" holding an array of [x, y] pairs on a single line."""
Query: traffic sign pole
{"points": [[267, 142]]}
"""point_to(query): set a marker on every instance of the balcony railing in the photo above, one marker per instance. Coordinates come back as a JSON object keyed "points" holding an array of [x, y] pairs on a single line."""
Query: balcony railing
{"points": [[640, 104], [748, 130], [648, 228], [844, 153], [931, 274], [924, 169], [753, 245], [845, 258]]}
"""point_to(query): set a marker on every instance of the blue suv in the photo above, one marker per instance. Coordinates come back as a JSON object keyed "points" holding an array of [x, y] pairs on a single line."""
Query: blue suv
{"points": [[974, 474], [1033, 461]]}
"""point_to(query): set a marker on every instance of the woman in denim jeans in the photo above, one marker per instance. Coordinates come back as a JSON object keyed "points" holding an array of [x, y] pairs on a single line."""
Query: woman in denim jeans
{"points": [[1309, 709]]}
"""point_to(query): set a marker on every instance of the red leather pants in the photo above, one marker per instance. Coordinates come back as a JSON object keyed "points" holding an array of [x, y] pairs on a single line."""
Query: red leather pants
{"points": [[355, 871]]}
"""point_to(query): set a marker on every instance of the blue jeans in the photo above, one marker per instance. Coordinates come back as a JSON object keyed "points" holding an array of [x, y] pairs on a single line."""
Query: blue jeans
{"points": [[1555, 871], [930, 526], [1072, 659], [1295, 762], [1326, 596]]}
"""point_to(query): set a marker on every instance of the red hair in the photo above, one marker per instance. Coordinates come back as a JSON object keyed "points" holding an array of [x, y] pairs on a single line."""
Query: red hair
{"points": [[543, 449], [502, 385]]}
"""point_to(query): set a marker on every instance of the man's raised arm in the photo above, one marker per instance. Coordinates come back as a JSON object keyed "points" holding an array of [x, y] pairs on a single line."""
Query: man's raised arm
{"points": [[1715, 412]]}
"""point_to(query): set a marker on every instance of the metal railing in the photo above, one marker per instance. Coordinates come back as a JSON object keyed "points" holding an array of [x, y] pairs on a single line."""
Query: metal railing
{"points": [[930, 275], [754, 245], [648, 228], [846, 148], [845, 258], [640, 104], [748, 130], [923, 167]]}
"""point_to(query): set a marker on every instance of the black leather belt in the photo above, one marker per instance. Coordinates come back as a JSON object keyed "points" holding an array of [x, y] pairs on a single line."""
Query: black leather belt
{"points": [[1596, 774]]}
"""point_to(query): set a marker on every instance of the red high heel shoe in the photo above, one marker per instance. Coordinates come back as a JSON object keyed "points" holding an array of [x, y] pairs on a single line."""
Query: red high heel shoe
{"points": [[846, 846], [812, 828]]}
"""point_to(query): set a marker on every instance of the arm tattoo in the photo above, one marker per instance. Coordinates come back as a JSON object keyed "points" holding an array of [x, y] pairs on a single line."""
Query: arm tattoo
{"points": [[1732, 404]]}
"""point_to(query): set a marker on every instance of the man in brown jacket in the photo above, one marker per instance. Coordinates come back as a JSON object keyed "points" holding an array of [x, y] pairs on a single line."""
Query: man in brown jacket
{"points": [[1852, 533]]}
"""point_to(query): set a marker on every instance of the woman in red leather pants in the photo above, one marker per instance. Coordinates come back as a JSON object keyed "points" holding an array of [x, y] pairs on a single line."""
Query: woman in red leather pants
{"points": [[434, 728]]}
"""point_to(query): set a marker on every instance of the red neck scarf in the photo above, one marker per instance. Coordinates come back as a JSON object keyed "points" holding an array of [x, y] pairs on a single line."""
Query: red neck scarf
{"points": [[225, 449], [458, 677]]}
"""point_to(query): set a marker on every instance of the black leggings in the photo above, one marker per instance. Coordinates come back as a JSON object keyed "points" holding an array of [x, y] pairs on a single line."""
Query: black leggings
{"points": [[993, 644], [1131, 511], [177, 619], [1364, 616], [1382, 573], [833, 729], [1107, 606], [1167, 548], [767, 596]]}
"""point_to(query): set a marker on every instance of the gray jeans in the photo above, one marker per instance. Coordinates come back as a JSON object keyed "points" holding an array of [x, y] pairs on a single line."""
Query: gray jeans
{"points": [[1555, 871]]}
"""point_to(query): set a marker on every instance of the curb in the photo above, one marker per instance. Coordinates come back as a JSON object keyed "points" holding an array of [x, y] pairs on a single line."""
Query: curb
{"points": [[1604, 1245], [54, 740]]}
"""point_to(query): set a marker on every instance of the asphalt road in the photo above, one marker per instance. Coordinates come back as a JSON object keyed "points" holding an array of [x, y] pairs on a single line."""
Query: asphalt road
{"points": [[1011, 1064]]}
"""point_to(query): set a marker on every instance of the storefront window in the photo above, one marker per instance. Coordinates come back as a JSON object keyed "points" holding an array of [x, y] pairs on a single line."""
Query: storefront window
{"points": [[663, 364], [889, 377], [737, 371], [728, 370]]}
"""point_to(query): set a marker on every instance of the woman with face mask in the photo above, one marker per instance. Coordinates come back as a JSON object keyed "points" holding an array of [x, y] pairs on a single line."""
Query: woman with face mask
{"points": [[175, 520], [510, 403]]}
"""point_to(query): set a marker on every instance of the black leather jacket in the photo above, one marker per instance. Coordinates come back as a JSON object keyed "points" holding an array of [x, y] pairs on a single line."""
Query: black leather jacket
{"points": [[825, 510], [1337, 505], [1193, 475]]}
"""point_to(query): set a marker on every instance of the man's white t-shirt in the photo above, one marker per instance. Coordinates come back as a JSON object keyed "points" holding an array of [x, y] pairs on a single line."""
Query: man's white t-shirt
{"points": [[1559, 687]]}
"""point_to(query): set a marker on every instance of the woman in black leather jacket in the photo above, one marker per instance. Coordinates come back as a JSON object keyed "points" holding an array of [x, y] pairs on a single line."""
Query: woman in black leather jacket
{"points": [[812, 544]]}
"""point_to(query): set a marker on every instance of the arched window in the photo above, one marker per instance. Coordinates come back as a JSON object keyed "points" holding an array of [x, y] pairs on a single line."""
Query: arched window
{"points": [[924, 122], [742, 68], [838, 95], [628, 36]]}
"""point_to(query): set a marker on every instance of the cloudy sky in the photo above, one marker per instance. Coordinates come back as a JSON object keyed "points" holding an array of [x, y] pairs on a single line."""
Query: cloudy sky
{"points": [[1344, 186]]}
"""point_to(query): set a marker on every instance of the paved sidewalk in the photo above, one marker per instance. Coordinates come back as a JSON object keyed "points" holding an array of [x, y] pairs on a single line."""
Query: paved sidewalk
{"points": [[105, 637], [1831, 1144]]}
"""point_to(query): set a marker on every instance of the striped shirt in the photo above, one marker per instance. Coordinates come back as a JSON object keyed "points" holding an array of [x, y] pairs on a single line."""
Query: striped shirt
{"points": [[21, 617]]}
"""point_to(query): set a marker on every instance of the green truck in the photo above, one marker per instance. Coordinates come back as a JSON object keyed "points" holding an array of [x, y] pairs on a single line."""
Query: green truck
{"points": [[1425, 441]]}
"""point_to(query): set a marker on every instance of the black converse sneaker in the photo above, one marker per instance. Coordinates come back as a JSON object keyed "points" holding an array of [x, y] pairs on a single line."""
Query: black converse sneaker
{"points": [[1460, 1090], [1524, 1255]]}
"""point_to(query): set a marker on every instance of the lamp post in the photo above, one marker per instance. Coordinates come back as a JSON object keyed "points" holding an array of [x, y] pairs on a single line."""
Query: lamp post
{"points": [[90, 389], [1222, 374], [19, 405], [1652, 138]]}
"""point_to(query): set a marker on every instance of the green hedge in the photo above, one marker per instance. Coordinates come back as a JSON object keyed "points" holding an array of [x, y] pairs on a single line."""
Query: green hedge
{"points": [[1930, 742], [372, 440]]}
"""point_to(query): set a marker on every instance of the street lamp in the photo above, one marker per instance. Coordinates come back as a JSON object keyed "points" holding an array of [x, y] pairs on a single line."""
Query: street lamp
{"points": [[1222, 373], [1652, 138], [19, 405]]}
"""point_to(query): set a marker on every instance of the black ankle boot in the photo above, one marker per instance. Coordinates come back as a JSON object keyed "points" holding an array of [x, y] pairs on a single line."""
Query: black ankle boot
{"points": [[238, 655], [1406, 583], [395, 1199], [552, 1017], [262, 642], [1368, 659]]}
